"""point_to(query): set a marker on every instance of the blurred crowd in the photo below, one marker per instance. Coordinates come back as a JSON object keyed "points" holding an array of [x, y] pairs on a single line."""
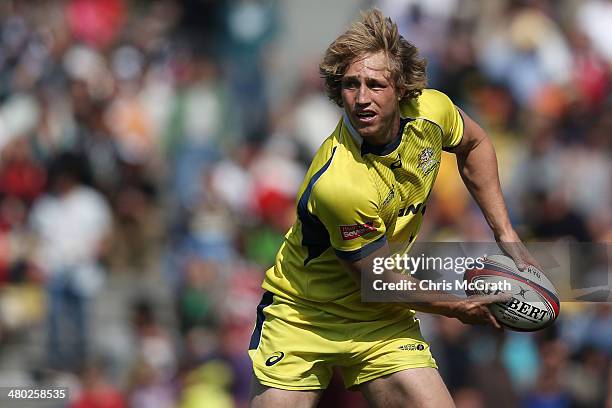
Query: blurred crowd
{"points": [[140, 142]]}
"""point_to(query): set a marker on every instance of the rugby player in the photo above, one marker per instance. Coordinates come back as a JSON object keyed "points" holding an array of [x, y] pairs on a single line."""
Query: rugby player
{"points": [[364, 193]]}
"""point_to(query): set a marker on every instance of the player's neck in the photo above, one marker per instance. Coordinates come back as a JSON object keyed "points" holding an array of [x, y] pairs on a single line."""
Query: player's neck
{"points": [[388, 135]]}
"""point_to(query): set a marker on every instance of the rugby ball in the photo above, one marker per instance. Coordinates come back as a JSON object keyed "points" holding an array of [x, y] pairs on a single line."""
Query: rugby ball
{"points": [[535, 302]]}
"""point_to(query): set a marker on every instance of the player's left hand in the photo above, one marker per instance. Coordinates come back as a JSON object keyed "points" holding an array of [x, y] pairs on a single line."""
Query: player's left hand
{"points": [[512, 246], [475, 309]]}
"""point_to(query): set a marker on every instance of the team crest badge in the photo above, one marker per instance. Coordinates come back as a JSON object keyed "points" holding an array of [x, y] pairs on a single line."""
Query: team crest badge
{"points": [[427, 162]]}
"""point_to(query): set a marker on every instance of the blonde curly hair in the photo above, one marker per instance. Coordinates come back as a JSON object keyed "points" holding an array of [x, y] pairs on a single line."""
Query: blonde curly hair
{"points": [[372, 34]]}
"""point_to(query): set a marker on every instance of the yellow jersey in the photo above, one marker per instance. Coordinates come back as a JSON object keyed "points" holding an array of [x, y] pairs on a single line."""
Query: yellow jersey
{"points": [[354, 198]]}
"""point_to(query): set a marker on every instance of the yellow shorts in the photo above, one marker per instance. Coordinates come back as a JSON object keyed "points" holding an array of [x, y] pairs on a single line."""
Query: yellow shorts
{"points": [[295, 347]]}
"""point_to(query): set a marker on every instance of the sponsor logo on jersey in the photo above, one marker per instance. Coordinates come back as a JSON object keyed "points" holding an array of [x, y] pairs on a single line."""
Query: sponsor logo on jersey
{"points": [[349, 232], [412, 209], [275, 358], [427, 162]]}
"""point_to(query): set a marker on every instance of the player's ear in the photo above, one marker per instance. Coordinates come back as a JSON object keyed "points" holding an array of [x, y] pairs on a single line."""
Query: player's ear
{"points": [[400, 92]]}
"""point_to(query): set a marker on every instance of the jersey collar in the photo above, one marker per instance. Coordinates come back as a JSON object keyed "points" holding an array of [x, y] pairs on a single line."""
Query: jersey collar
{"points": [[379, 150]]}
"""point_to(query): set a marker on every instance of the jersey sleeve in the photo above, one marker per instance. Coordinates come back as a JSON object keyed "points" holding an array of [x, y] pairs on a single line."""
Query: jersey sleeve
{"points": [[451, 122], [351, 219], [447, 116], [454, 134]]}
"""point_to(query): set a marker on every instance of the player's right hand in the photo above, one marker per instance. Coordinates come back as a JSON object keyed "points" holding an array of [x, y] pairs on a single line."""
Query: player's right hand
{"points": [[474, 309], [512, 246]]}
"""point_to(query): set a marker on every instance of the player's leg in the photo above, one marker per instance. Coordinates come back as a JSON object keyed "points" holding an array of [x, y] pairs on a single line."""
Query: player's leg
{"points": [[414, 387], [292, 362], [267, 397], [395, 367]]}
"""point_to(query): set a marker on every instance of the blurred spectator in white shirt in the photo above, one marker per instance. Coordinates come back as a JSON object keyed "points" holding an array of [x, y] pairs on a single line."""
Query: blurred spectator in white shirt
{"points": [[71, 225]]}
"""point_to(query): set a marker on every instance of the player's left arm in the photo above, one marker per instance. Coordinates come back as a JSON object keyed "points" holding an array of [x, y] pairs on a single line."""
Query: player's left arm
{"points": [[477, 165]]}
